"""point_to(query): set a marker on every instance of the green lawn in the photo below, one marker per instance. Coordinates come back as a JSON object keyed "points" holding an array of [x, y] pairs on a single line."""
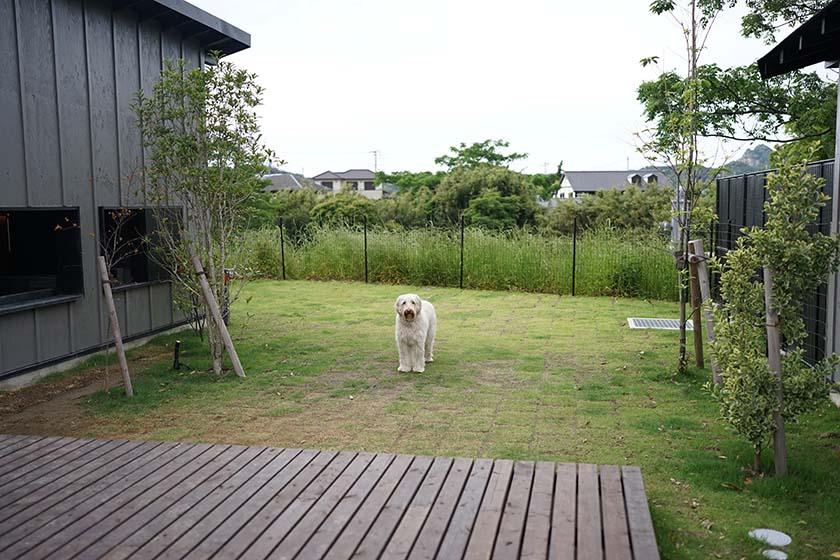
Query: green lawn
{"points": [[517, 376]]}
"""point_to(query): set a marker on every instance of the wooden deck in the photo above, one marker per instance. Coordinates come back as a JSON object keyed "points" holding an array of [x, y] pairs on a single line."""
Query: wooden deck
{"points": [[77, 498]]}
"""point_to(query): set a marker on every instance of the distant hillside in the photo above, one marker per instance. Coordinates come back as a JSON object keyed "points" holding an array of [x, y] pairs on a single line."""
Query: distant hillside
{"points": [[754, 159]]}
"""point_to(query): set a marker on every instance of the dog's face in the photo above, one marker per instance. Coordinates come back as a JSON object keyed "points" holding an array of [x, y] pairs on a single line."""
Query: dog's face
{"points": [[408, 306]]}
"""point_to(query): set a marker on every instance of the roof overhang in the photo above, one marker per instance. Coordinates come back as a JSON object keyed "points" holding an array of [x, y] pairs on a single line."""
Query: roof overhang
{"points": [[816, 40], [212, 33]]}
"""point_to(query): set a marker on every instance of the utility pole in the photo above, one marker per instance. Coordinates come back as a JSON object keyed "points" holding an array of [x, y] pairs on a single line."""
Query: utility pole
{"points": [[375, 160]]}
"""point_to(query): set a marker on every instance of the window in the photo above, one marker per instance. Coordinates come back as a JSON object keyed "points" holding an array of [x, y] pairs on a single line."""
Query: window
{"points": [[369, 185], [328, 184], [40, 254], [351, 185], [125, 238]]}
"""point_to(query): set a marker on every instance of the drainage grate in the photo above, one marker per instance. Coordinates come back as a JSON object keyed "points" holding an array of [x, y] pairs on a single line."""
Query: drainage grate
{"points": [[664, 324]]}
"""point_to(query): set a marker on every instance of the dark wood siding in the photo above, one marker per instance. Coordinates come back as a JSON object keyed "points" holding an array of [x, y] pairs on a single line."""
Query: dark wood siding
{"points": [[70, 70]]}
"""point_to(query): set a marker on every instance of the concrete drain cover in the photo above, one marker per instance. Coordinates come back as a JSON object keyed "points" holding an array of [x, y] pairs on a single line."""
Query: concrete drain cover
{"points": [[661, 324], [770, 536]]}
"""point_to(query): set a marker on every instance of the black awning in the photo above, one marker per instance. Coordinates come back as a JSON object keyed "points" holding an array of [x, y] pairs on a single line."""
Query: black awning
{"points": [[211, 32], [816, 40]]}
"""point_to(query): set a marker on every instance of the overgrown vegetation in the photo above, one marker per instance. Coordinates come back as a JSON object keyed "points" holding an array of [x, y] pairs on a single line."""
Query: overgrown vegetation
{"points": [[608, 261]]}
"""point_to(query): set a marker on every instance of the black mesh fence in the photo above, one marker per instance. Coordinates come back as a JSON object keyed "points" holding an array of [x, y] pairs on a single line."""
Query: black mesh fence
{"points": [[740, 205]]}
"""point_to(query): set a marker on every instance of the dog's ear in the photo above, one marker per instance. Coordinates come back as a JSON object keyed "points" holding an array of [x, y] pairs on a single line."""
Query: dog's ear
{"points": [[397, 305], [419, 303]]}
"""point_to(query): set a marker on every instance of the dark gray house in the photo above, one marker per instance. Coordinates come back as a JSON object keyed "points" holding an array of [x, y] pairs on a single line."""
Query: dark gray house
{"points": [[69, 155]]}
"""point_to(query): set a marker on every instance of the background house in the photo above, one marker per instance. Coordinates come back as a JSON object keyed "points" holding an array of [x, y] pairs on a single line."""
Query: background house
{"points": [[286, 181], [69, 156], [361, 181], [578, 183]]}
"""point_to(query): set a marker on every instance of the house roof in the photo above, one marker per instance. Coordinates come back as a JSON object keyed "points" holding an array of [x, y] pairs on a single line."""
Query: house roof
{"points": [[285, 181], [212, 33], [349, 175], [592, 181], [816, 40]]}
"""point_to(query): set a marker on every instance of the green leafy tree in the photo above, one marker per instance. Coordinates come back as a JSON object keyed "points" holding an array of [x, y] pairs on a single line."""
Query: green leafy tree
{"points": [[202, 136], [477, 154], [408, 209], [801, 261], [463, 184], [735, 103], [491, 210], [411, 181], [343, 209], [295, 209]]}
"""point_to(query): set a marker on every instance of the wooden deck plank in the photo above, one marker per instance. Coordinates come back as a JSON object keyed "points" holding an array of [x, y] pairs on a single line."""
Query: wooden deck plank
{"points": [[324, 507], [14, 487], [151, 520], [405, 472], [41, 469], [375, 476], [284, 514], [429, 539], [642, 536], [102, 498], [149, 495], [172, 526], [454, 541], [512, 525], [44, 448], [370, 545], [538, 521], [561, 545], [616, 535], [19, 443], [76, 498], [52, 498], [27, 448], [483, 537], [257, 512], [401, 541], [589, 533]]}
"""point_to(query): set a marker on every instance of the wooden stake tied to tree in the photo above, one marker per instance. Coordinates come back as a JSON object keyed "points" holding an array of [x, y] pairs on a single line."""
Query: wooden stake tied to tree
{"points": [[115, 325]]}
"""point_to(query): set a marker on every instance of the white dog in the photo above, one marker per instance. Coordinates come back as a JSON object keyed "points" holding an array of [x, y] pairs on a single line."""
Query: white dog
{"points": [[416, 326]]}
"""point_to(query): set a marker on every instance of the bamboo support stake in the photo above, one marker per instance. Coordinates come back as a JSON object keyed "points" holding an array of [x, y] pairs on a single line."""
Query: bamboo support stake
{"points": [[774, 361], [115, 325], [698, 255], [217, 315], [695, 315]]}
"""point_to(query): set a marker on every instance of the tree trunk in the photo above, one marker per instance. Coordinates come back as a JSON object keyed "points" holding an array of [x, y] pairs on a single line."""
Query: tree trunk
{"points": [[757, 461], [774, 361]]}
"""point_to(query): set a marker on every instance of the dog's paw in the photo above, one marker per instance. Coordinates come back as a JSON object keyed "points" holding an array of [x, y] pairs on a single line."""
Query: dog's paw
{"points": [[402, 369], [430, 359], [419, 370]]}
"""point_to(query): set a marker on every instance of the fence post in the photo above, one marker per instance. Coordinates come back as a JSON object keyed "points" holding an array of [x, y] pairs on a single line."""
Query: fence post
{"points": [[282, 250], [461, 278], [366, 251], [574, 253]]}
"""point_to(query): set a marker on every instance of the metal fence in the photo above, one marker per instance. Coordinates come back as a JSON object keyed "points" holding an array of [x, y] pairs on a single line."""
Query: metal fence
{"points": [[740, 205], [583, 263]]}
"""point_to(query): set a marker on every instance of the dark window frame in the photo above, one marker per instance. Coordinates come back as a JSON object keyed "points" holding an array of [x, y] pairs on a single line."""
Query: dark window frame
{"points": [[65, 282], [154, 273], [369, 186]]}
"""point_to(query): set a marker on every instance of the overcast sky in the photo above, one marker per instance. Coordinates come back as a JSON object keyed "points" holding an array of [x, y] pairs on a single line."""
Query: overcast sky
{"points": [[557, 79]]}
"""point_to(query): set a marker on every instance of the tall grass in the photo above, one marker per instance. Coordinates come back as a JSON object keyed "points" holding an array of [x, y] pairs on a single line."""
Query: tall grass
{"points": [[606, 263]]}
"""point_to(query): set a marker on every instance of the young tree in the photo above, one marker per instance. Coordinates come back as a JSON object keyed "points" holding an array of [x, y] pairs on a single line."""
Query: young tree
{"points": [[673, 140], [479, 153], [750, 394], [204, 154]]}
